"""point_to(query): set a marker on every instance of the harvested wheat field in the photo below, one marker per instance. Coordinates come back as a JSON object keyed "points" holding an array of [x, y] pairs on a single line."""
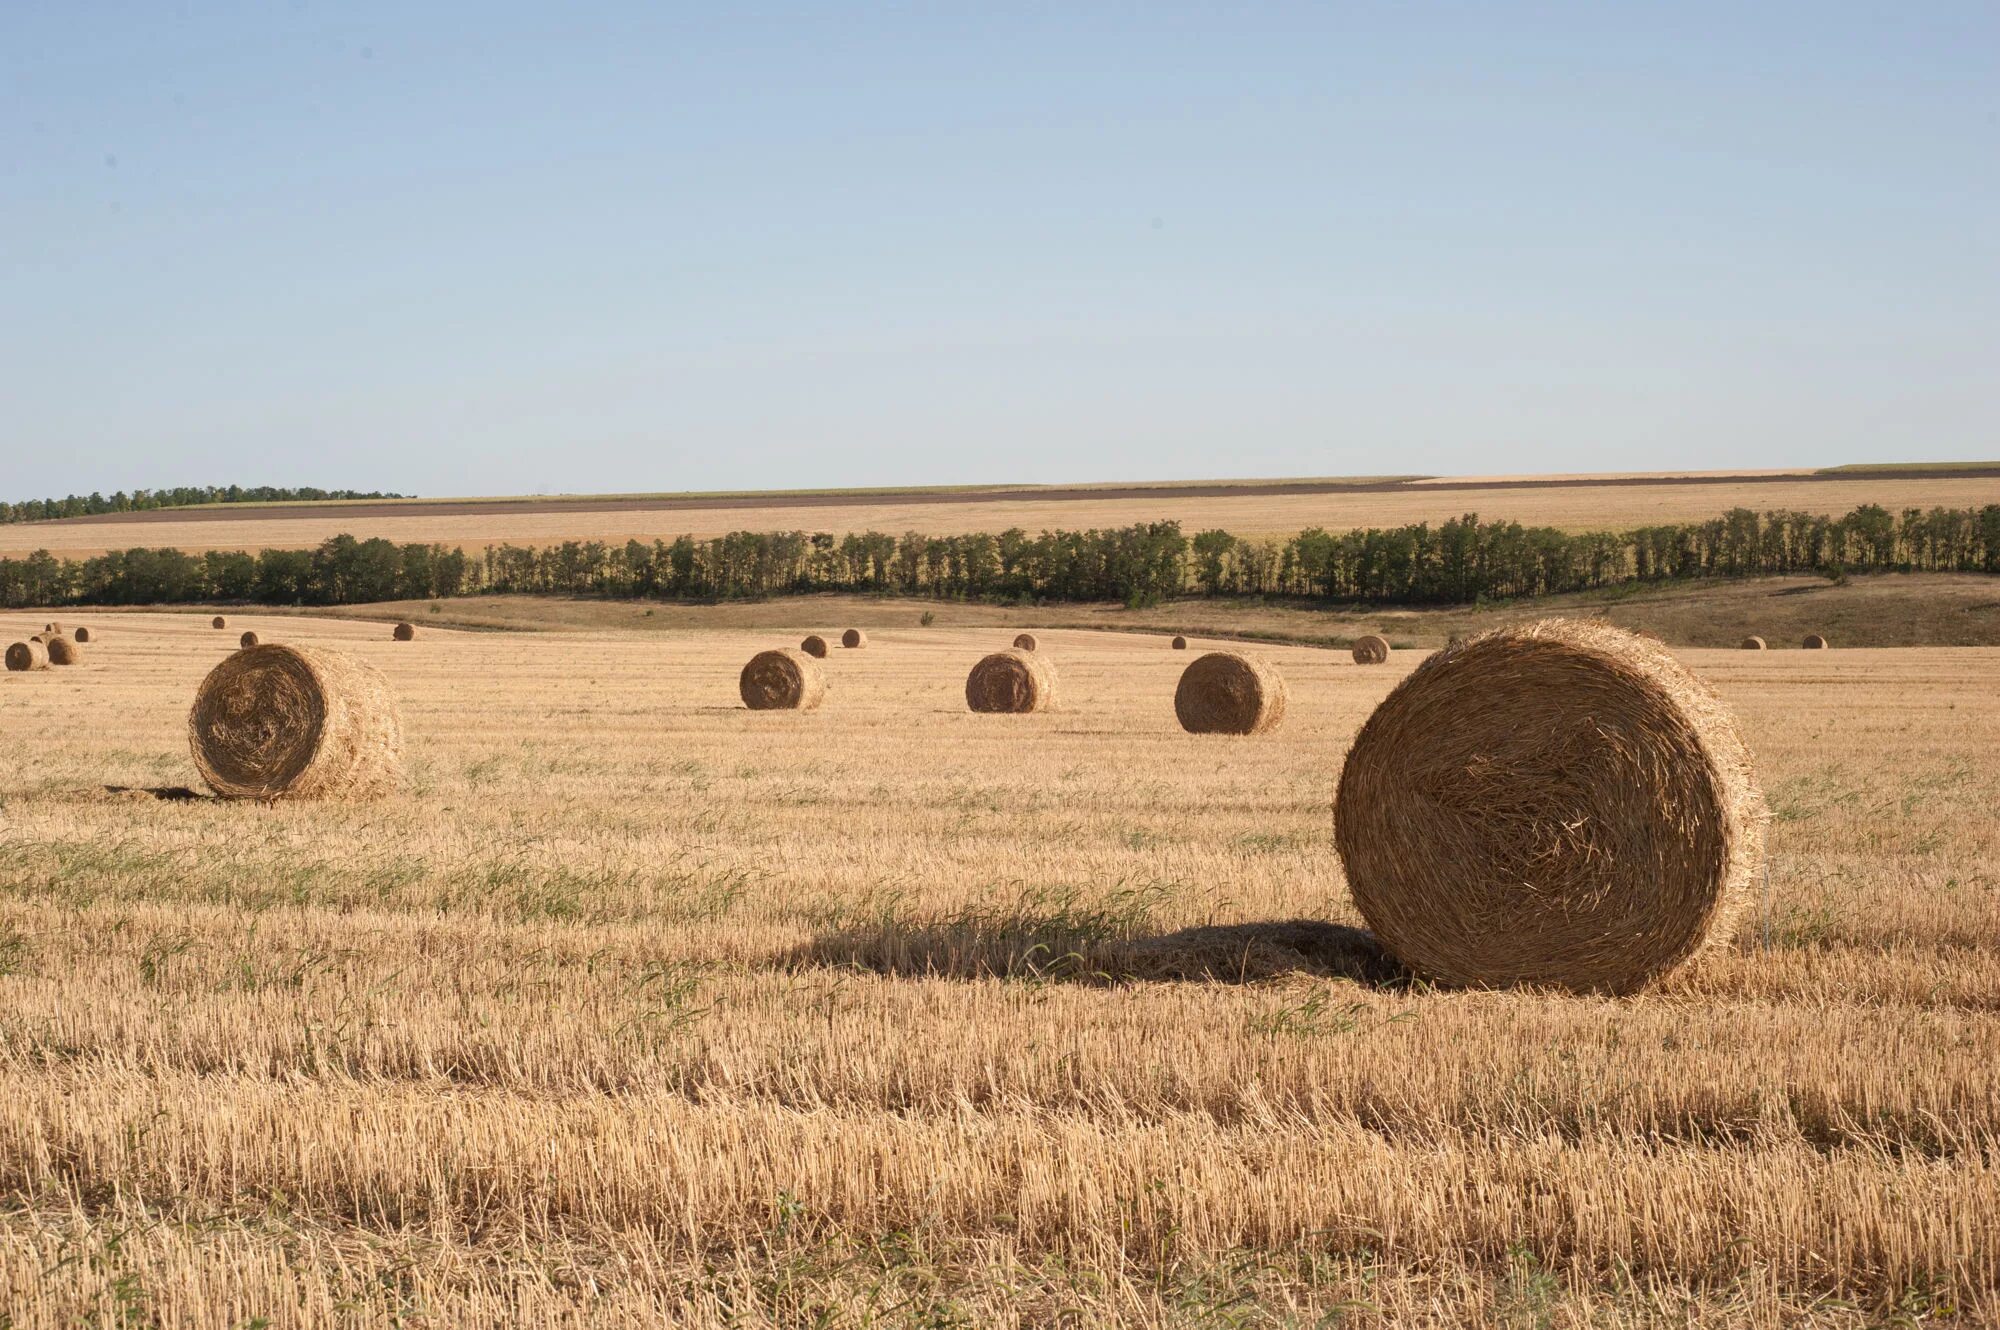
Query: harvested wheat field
{"points": [[633, 1006]]}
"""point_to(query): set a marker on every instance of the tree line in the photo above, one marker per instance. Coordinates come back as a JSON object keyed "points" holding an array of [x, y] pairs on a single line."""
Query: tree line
{"points": [[1456, 562], [180, 496]]}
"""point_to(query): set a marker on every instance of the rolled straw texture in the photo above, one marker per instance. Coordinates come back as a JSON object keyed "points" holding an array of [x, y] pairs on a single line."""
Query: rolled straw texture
{"points": [[1011, 682], [814, 645], [1371, 650], [28, 655], [1025, 642], [1556, 804], [782, 680], [283, 722], [1227, 692]]}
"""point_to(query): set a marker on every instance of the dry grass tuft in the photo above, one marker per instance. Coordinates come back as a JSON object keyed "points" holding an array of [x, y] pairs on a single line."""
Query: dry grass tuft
{"points": [[1011, 682], [283, 722], [1560, 803], [782, 680], [1227, 692], [1371, 650]]}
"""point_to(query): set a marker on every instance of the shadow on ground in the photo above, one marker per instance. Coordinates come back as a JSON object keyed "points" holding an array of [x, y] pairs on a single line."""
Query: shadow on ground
{"points": [[172, 794], [1047, 950]]}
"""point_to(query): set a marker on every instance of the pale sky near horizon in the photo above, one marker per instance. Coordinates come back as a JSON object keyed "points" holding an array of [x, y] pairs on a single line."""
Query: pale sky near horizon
{"points": [[501, 248]]}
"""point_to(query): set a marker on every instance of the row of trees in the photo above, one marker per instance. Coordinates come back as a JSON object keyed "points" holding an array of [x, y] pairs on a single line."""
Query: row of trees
{"points": [[1459, 561], [180, 496]]}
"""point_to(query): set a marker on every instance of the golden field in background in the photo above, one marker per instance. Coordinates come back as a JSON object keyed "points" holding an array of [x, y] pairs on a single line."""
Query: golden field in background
{"points": [[1196, 507], [642, 1008]]}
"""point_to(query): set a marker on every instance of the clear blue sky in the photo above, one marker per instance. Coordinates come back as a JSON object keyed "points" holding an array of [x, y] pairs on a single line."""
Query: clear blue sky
{"points": [[496, 248]]}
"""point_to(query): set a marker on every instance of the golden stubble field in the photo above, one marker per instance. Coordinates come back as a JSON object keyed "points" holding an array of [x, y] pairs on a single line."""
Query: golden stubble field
{"points": [[1574, 508], [641, 1008]]}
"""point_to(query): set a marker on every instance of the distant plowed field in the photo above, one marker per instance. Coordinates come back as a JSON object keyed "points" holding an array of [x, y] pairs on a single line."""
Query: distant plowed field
{"points": [[1599, 503], [638, 1008]]}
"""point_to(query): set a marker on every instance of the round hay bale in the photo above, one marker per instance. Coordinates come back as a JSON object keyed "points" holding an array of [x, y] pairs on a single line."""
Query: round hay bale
{"points": [[1752, 644], [1814, 642], [1011, 682], [28, 655], [282, 722], [782, 680], [42, 638], [1371, 650], [1180, 644], [52, 628], [62, 651], [854, 637], [814, 645], [405, 632], [83, 634], [248, 640], [1560, 803], [1025, 642], [1226, 692], [218, 622]]}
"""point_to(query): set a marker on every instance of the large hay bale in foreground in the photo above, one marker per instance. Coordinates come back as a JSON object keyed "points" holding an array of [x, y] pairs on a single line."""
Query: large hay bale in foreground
{"points": [[1752, 644], [1371, 650], [28, 655], [1814, 642], [62, 651], [1011, 682], [83, 634], [814, 645], [247, 640], [1025, 642], [284, 722], [1180, 644], [404, 632], [1227, 692], [1560, 803], [218, 622], [854, 637], [782, 680]]}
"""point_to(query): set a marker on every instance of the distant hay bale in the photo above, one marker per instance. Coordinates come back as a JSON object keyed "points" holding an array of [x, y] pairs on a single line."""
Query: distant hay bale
{"points": [[218, 622], [1560, 803], [83, 634], [42, 638], [28, 655], [782, 680], [405, 632], [1752, 644], [1025, 642], [1814, 642], [854, 637], [814, 645], [1180, 644], [1226, 692], [1371, 650], [1011, 682], [248, 639], [62, 651], [283, 722], [52, 628]]}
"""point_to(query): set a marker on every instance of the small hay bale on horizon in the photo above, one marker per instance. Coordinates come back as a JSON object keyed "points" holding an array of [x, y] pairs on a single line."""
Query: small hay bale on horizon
{"points": [[1751, 644], [854, 637], [1025, 642], [28, 655], [247, 640], [1011, 682], [1180, 644], [782, 680], [62, 651], [814, 645], [1371, 649], [218, 622], [283, 722], [1558, 804], [404, 632], [83, 634], [1815, 642], [1227, 692]]}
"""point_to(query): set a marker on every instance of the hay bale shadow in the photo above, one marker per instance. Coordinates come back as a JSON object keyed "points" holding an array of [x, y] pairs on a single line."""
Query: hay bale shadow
{"points": [[1053, 950], [166, 793]]}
